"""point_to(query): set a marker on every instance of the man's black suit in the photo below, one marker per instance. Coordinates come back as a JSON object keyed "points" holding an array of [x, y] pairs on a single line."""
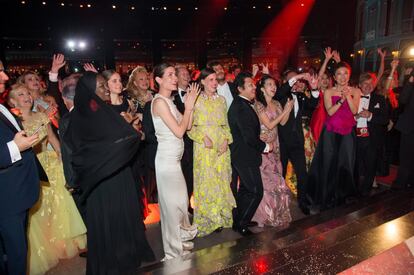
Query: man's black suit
{"points": [[246, 157], [405, 125], [370, 148], [291, 137], [187, 159], [19, 191]]}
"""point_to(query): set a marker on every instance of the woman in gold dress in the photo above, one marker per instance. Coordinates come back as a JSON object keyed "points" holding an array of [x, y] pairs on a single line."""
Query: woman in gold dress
{"points": [[56, 230]]}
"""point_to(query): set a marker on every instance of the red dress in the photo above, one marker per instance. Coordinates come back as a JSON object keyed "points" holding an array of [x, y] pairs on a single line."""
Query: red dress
{"points": [[318, 119]]}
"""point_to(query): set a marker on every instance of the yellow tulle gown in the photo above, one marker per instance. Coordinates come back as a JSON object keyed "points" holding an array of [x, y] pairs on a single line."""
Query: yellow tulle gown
{"points": [[55, 227]]}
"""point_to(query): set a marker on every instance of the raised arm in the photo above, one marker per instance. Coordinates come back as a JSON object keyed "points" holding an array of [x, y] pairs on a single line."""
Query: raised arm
{"points": [[328, 55], [382, 64]]}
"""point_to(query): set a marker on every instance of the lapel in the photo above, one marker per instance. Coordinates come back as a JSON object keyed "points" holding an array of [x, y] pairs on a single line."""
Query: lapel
{"points": [[7, 122], [372, 102], [252, 111]]}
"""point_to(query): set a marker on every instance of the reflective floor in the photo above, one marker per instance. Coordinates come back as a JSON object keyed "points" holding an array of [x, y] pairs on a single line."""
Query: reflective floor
{"points": [[326, 243]]}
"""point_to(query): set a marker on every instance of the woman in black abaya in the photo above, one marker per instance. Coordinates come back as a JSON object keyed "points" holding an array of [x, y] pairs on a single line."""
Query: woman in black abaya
{"points": [[104, 144]]}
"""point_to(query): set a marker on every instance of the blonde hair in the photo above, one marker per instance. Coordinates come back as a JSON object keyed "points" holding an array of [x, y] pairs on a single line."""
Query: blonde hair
{"points": [[131, 87], [21, 79], [14, 89]]}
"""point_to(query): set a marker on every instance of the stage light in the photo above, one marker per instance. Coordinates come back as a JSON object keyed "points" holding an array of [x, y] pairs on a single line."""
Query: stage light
{"points": [[360, 52], [225, 8], [43, 3], [132, 8], [302, 5], [164, 8], [254, 7], [81, 6], [196, 8], [269, 7], [411, 51], [62, 4], [89, 5], [395, 53], [82, 45], [71, 44], [23, 2], [352, 55], [114, 6], [178, 9]]}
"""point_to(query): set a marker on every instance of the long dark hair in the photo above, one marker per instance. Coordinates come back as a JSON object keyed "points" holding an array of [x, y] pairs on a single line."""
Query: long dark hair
{"points": [[159, 71], [259, 93]]}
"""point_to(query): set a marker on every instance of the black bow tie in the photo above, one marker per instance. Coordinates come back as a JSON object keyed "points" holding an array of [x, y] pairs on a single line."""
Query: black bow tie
{"points": [[365, 96], [183, 93]]}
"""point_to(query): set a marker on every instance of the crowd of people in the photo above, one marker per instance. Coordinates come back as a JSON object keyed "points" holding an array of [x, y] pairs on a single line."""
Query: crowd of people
{"points": [[83, 154]]}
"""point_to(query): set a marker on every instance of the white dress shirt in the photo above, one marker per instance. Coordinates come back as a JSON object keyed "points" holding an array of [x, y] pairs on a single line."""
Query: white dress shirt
{"points": [[13, 149], [180, 94], [224, 90], [362, 122]]}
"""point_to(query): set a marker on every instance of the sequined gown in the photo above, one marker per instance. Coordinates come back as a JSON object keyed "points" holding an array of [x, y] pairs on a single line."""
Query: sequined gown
{"points": [[213, 198], [55, 227], [273, 210]]}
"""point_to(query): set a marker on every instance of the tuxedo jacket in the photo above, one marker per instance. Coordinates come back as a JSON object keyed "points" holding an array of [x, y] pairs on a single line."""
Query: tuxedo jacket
{"points": [[377, 126], [292, 131], [19, 181], [246, 149], [188, 143], [405, 122]]}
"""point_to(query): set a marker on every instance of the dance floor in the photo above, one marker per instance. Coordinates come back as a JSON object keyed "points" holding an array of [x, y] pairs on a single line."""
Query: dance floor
{"points": [[372, 236]]}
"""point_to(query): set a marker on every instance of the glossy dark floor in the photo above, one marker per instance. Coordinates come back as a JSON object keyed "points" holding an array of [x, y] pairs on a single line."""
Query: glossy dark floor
{"points": [[326, 243]]}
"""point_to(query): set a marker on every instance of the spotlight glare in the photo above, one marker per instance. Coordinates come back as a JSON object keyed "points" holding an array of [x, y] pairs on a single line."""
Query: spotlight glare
{"points": [[71, 44], [81, 6], [196, 8], [411, 52], [23, 2], [82, 44], [178, 9], [43, 3], [62, 4], [225, 8], [164, 8], [132, 8], [114, 6], [89, 5], [269, 7]]}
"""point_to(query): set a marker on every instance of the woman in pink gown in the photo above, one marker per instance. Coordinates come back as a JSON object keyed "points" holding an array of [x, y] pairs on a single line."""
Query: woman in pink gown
{"points": [[274, 207]]}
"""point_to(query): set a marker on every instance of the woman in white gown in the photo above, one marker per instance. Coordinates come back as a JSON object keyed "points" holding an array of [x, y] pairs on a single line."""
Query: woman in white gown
{"points": [[170, 126]]}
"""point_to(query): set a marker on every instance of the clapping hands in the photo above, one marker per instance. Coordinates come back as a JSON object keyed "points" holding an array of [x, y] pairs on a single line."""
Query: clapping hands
{"points": [[191, 97]]}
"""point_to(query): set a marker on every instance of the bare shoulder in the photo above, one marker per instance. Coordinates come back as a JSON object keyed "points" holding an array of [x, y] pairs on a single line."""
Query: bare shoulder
{"points": [[355, 91]]}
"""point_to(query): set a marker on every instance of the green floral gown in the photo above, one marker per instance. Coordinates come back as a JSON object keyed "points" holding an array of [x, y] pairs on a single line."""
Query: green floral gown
{"points": [[213, 198]]}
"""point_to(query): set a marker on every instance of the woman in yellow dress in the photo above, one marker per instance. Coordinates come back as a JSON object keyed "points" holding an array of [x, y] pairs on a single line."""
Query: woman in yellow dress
{"points": [[210, 131], [56, 230]]}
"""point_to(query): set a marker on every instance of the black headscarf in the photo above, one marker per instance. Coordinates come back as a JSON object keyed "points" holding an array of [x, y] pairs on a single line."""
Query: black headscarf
{"points": [[104, 143]]}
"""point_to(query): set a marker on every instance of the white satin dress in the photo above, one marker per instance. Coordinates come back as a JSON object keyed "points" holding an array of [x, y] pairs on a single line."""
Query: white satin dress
{"points": [[177, 231]]}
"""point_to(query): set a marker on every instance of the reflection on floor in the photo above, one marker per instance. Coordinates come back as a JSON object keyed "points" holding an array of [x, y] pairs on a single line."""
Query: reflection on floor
{"points": [[351, 239]]}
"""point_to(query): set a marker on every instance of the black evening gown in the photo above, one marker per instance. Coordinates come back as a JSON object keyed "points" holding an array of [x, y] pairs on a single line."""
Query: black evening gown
{"points": [[104, 146]]}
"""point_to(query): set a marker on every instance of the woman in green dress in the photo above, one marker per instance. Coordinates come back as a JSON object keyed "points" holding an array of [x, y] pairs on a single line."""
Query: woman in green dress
{"points": [[210, 132]]}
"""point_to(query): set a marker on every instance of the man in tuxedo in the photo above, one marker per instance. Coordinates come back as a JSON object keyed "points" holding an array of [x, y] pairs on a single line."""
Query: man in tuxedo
{"points": [[224, 88], [405, 125], [291, 137], [184, 78], [19, 188], [246, 152], [372, 120]]}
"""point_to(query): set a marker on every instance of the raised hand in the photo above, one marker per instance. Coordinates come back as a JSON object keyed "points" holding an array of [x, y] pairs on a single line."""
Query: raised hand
{"points": [[24, 142], [328, 53], [89, 67], [255, 69], [208, 143], [336, 56], [265, 68], [381, 52], [58, 62], [288, 106], [394, 63], [191, 97]]}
